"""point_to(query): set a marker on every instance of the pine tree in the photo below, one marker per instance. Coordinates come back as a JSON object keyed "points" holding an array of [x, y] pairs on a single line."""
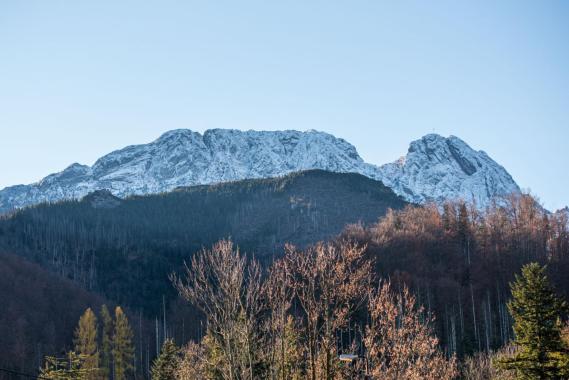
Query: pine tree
{"points": [[123, 348], [107, 342], [166, 364], [86, 344], [536, 310]]}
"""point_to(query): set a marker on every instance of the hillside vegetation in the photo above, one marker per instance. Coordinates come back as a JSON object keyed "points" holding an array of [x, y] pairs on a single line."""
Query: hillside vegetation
{"points": [[125, 249], [456, 260]]}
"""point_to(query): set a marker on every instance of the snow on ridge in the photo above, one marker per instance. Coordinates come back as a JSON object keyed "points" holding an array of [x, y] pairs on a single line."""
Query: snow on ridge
{"points": [[435, 168]]}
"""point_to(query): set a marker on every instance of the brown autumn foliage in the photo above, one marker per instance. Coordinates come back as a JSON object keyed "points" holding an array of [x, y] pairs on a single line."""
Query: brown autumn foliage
{"points": [[227, 289], [288, 326], [399, 340], [195, 364], [458, 262], [330, 283], [284, 353], [482, 366]]}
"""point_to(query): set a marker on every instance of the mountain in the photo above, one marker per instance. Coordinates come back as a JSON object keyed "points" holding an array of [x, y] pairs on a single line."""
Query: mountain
{"points": [[435, 168], [126, 249], [185, 158]]}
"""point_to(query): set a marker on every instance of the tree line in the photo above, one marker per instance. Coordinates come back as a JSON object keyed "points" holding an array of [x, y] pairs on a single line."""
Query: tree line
{"points": [[423, 293], [459, 262], [291, 323], [314, 314], [456, 260]]}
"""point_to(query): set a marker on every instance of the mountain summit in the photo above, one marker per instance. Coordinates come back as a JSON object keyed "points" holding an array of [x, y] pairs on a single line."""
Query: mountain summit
{"points": [[435, 168]]}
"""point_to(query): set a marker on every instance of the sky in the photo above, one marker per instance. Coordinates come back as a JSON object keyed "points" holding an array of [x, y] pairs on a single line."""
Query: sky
{"points": [[79, 79]]}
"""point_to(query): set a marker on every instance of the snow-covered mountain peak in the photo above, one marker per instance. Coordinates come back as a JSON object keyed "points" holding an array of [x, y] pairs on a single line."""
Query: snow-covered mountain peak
{"points": [[435, 168], [435, 150], [183, 158], [177, 136]]}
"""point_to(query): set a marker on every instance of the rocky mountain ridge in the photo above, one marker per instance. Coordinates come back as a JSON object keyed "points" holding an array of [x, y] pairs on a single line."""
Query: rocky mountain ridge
{"points": [[435, 168]]}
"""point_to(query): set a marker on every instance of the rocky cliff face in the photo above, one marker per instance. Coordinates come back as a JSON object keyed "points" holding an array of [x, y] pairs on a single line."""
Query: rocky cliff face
{"points": [[435, 168]]}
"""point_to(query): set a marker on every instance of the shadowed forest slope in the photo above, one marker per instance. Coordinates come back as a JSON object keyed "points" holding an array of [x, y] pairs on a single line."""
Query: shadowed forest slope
{"points": [[39, 312], [125, 249]]}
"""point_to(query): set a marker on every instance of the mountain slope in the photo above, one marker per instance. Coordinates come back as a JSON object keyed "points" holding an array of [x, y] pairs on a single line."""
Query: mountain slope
{"points": [[127, 248], [435, 168], [39, 312]]}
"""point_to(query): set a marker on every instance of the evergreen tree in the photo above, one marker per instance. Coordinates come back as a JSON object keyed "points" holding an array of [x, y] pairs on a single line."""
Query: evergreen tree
{"points": [[166, 364], [107, 342], [536, 310], [123, 348], [86, 344]]}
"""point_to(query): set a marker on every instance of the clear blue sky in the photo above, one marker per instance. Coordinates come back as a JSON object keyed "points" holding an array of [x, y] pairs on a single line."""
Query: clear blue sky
{"points": [[81, 78]]}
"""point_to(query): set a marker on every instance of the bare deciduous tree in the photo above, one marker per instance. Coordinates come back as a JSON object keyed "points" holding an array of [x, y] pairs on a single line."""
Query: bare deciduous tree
{"points": [[482, 366], [196, 363], [330, 282], [399, 343], [227, 289], [254, 331], [284, 351]]}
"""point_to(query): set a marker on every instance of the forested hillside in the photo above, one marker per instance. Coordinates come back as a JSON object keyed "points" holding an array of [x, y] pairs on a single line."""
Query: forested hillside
{"points": [[456, 260], [39, 312], [459, 262], [125, 249]]}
